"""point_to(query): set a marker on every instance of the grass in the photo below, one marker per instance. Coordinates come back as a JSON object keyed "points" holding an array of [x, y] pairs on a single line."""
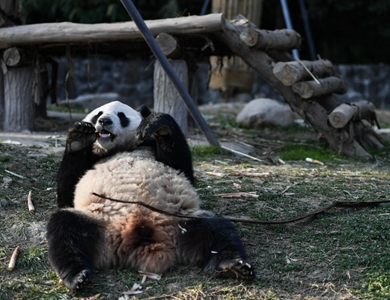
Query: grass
{"points": [[301, 152], [340, 254]]}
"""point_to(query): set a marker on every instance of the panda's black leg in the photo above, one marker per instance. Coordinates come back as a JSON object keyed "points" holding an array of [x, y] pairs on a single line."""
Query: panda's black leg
{"points": [[75, 241], [214, 244]]}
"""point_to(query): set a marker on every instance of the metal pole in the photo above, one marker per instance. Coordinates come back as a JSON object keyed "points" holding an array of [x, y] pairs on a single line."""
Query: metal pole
{"points": [[150, 40], [204, 7], [306, 24], [287, 19]]}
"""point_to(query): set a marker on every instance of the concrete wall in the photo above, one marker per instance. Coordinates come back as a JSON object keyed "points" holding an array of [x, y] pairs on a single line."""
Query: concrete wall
{"points": [[132, 80]]}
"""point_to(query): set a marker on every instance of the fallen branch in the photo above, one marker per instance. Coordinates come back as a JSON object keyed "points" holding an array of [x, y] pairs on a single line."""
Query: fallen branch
{"points": [[344, 204], [12, 173], [239, 195], [247, 174], [241, 153]]}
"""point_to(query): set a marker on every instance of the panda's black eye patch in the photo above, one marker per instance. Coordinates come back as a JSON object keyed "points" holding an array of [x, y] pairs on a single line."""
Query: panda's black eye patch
{"points": [[95, 118], [125, 121]]}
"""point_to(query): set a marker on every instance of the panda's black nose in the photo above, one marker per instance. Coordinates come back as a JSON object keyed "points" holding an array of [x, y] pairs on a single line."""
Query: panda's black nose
{"points": [[105, 121]]}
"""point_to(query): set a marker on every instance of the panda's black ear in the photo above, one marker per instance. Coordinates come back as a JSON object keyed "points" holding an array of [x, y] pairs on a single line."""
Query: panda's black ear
{"points": [[145, 111]]}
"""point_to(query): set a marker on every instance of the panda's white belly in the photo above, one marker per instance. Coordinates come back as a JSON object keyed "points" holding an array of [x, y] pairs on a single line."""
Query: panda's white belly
{"points": [[134, 177]]}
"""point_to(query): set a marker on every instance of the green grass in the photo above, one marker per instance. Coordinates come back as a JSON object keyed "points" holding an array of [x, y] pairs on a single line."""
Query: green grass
{"points": [[206, 151], [301, 152]]}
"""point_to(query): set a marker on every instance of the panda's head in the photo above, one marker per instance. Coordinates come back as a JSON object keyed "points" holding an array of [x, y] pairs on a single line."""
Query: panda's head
{"points": [[115, 124]]}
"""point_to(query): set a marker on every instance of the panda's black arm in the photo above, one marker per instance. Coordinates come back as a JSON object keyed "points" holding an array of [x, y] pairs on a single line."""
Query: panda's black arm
{"points": [[163, 134], [73, 166], [77, 159]]}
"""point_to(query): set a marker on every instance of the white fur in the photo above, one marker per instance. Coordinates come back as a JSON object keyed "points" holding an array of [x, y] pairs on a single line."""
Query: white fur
{"points": [[135, 177], [123, 137]]}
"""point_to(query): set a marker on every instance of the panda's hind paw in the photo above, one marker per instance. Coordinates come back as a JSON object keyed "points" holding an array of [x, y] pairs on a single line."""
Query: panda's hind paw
{"points": [[236, 268], [75, 283]]}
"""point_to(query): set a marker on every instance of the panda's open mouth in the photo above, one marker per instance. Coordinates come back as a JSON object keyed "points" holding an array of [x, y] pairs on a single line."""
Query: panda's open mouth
{"points": [[104, 134]]}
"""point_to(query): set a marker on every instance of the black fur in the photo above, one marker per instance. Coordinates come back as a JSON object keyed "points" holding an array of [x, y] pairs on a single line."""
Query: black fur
{"points": [[75, 162], [163, 134], [217, 247], [73, 240]]}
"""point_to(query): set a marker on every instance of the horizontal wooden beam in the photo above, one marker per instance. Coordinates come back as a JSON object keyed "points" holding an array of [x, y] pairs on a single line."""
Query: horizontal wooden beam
{"points": [[283, 39], [72, 33], [324, 86], [294, 71]]}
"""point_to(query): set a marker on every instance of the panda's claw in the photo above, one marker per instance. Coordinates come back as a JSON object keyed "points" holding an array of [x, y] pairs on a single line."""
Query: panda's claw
{"points": [[78, 281], [236, 268], [83, 127]]}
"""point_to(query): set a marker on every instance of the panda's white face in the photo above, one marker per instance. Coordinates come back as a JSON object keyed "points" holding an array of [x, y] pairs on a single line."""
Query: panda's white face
{"points": [[115, 123]]}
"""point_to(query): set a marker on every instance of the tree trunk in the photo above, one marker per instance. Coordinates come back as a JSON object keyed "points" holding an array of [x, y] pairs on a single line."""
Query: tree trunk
{"points": [[1, 99], [166, 98], [18, 94]]}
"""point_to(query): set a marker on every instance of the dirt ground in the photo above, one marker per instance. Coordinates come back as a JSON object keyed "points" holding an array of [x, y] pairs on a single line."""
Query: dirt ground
{"points": [[342, 254]]}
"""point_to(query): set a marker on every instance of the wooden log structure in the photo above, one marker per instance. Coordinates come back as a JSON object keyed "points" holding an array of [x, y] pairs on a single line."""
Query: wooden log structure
{"points": [[219, 36], [320, 87], [348, 142], [13, 57], [169, 45], [49, 36], [283, 39], [341, 115], [362, 110], [292, 72]]}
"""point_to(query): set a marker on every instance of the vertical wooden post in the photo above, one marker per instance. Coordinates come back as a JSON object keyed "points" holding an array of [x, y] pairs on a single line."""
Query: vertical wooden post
{"points": [[235, 75], [18, 103], [1, 99], [166, 97]]}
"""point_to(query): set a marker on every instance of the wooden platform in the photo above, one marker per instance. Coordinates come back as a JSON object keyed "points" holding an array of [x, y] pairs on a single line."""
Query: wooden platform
{"points": [[112, 38]]}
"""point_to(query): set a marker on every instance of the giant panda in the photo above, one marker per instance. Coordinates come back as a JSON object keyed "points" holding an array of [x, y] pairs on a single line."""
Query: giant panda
{"points": [[131, 156], [111, 129]]}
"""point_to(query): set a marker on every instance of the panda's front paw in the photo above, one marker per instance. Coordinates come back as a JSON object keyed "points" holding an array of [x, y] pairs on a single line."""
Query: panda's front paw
{"points": [[80, 136], [235, 268], [158, 125]]}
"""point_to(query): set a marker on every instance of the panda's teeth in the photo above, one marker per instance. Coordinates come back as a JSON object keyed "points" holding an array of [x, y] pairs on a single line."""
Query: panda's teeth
{"points": [[104, 135]]}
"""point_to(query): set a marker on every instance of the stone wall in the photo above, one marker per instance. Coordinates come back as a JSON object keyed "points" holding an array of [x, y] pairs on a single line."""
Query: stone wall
{"points": [[132, 80]]}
